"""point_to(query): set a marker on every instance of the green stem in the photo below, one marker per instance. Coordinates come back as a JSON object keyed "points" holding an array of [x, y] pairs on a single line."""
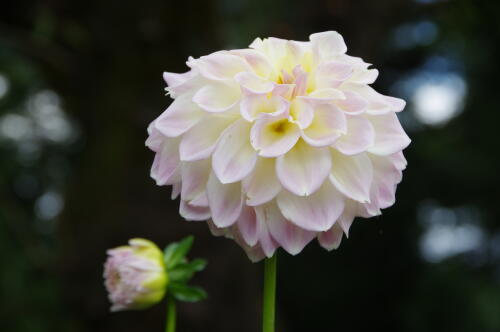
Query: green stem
{"points": [[268, 310], [171, 313]]}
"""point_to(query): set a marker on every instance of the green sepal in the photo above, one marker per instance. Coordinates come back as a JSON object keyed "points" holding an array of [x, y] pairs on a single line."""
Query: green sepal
{"points": [[185, 293], [175, 253], [182, 272]]}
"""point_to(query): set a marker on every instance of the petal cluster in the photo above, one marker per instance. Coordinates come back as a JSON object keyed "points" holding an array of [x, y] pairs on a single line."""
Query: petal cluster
{"points": [[135, 275], [280, 143]]}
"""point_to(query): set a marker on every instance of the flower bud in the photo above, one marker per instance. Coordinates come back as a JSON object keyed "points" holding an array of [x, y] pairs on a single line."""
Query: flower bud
{"points": [[135, 275]]}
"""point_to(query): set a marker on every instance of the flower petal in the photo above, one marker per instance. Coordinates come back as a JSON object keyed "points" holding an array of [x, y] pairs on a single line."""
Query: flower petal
{"points": [[328, 124], [317, 212], [352, 175], [389, 135], [303, 169], [194, 179], [360, 136], [179, 117], [234, 157], [352, 104], [248, 226], [220, 66], [254, 104], [193, 213], [331, 238], [331, 74], [253, 83], [261, 185], [291, 237], [225, 200], [199, 142], [327, 44], [165, 169], [273, 136], [217, 97]]}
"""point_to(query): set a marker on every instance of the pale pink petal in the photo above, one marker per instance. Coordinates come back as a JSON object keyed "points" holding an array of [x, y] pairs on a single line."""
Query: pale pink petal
{"points": [[179, 117], [331, 239], [155, 138], [266, 241], [257, 61], [365, 76], [261, 185], [331, 74], [387, 175], [273, 136], [328, 124], [317, 212], [302, 113], [254, 104], [248, 226], [165, 169], [284, 90], [193, 213], [360, 136], [303, 169], [352, 104], [327, 44], [291, 237], [301, 77], [220, 66], [253, 83], [378, 103], [217, 97], [389, 135], [176, 190], [322, 96], [225, 200], [234, 157], [199, 142], [174, 79], [194, 178], [352, 175]]}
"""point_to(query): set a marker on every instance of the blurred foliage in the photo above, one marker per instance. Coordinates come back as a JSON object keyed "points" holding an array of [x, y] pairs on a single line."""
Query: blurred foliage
{"points": [[81, 81]]}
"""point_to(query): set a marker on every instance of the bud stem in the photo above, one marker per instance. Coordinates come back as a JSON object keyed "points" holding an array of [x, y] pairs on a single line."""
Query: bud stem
{"points": [[268, 314], [171, 313]]}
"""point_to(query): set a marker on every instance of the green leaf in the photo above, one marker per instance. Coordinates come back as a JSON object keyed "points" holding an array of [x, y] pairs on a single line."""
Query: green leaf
{"points": [[182, 272], [187, 293], [176, 252]]}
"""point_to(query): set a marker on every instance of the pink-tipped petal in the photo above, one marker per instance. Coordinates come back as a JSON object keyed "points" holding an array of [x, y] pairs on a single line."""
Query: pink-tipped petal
{"points": [[234, 157], [303, 169], [263, 173], [352, 175], [317, 212], [193, 213], [359, 137], [331, 239], [390, 137], [165, 169], [225, 200], [291, 237], [200, 141], [248, 226], [179, 117], [328, 124]]}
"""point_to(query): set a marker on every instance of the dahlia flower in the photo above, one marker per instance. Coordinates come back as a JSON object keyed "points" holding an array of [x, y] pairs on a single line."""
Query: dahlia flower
{"points": [[279, 143], [135, 275]]}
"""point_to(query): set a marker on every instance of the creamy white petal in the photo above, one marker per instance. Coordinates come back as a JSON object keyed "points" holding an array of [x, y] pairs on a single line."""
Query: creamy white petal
{"points": [[199, 142], [359, 137], [248, 226], [194, 178], [273, 136], [261, 185], [225, 200], [193, 213], [328, 124], [390, 137], [291, 237], [327, 44], [165, 169], [220, 66], [352, 175], [317, 212], [331, 239], [303, 169], [179, 117], [217, 97], [234, 157]]}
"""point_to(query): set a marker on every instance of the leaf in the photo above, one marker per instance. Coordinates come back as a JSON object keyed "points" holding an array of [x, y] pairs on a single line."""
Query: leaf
{"points": [[187, 293], [182, 272], [176, 252]]}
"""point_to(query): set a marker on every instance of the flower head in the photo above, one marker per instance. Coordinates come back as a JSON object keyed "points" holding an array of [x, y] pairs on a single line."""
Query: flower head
{"points": [[280, 143], [135, 275]]}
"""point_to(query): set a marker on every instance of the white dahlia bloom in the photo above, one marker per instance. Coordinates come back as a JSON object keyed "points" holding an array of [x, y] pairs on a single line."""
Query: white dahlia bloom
{"points": [[280, 143]]}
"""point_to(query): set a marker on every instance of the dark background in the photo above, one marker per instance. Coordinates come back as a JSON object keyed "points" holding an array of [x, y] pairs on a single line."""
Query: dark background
{"points": [[80, 81]]}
